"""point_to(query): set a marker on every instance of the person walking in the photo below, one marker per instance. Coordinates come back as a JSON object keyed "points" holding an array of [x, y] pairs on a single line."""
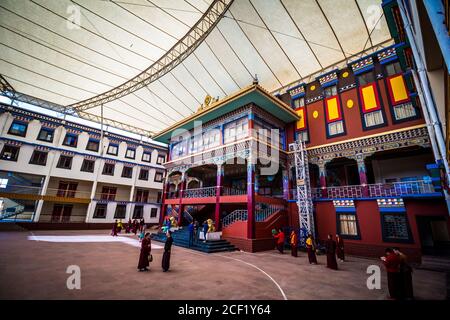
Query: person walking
{"points": [[146, 250], [331, 253], [167, 249], [294, 243], [406, 284], [340, 248], [280, 240], [392, 263], [311, 249]]}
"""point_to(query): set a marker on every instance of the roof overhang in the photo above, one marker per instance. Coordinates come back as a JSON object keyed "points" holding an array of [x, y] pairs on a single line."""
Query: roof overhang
{"points": [[251, 94]]}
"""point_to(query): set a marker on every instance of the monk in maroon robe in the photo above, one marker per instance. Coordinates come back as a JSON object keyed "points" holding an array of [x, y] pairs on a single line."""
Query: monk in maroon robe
{"points": [[135, 226], [114, 229], [330, 246], [340, 248], [392, 263], [146, 249]]}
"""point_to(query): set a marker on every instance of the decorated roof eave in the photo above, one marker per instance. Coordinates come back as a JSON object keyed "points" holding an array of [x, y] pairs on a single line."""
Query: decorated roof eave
{"points": [[250, 94]]}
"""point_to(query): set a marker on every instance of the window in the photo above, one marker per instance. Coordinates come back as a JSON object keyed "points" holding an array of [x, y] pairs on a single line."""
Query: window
{"points": [[70, 140], [18, 128], [64, 162], [147, 157], [46, 134], [108, 169], [395, 227], [347, 225], [143, 174], [127, 172], [141, 196], [39, 158], [330, 91], [158, 197], [393, 68], [130, 154], [302, 136], [100, 211], [3, 183], [404, 111], [138, 212], [158, 177], [161, 159], [108, 193], [10, 153], [121, 210], [236, 130], [373, 118], [93, 145], [335, 128], [366, 78], [153, 212], [87, 166], [67, 189], [299, 102], [113, 149]]}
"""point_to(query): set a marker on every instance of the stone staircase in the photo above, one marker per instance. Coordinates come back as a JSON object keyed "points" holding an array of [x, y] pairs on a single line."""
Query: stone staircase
{"points": [[181, 239]]}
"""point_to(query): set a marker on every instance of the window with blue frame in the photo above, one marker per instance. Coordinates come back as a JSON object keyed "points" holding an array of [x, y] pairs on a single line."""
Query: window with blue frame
{"points": [[113, 149], [395, 227], [130, 153], [46, 134], [70, 140], [147, 157], [93, 145], [347, 225], [18, 128]]}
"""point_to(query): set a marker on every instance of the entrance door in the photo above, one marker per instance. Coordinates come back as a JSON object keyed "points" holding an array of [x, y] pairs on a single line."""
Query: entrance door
{"points": [[62, 212], [434, 235]]}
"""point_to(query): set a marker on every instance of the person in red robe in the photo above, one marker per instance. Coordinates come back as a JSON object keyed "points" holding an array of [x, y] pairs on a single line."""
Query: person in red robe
{"points": [[135, 226], [311, 249], [392, 263], [280, 240], [294, 243], [330, 246], [146, 250], [340, 248], [405, 276]]}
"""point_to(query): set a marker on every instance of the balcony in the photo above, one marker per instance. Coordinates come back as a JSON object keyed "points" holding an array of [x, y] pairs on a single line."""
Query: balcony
{"points": [[377, 190]]}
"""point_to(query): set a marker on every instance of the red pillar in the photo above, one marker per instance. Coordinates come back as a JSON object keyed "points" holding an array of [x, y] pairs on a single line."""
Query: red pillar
{"points": [[218, 193], [163, 200], [250, 201], [180, 206]]}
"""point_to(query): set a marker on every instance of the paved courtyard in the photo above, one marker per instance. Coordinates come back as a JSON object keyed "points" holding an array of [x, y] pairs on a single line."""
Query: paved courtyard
{"points": [[33, 266]]}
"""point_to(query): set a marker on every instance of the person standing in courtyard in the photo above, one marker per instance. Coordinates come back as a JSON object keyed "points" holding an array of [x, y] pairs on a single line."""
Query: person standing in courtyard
{"points": [[191, 233], [406, 286], [330, 246], [146, 250], [294, 243], [311, 249], [280, 240], [340, 248], [135, 226], [205, 229], [167, 248], [392, 263], [114, 229]]}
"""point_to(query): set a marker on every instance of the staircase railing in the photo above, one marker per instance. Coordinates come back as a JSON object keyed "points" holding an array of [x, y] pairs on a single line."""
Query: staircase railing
{"points": [[236, 215], [8, 213], [263, 214]]}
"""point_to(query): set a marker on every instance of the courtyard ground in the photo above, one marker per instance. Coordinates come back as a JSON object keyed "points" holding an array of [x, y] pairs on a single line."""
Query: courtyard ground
{"points": [[33, 266]]}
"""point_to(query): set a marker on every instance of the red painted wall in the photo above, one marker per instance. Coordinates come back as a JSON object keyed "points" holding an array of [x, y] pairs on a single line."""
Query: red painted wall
{"points": [[352, 119]]}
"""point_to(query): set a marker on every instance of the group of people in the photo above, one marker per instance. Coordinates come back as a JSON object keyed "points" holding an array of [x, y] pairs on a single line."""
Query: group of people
{"points": [[195, 229], [146, 257], [132, 226], [333, 248], [399, 274]]}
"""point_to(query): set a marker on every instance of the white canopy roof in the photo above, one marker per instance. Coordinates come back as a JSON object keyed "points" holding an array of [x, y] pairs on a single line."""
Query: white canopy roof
{"points": [[46, 56]]}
